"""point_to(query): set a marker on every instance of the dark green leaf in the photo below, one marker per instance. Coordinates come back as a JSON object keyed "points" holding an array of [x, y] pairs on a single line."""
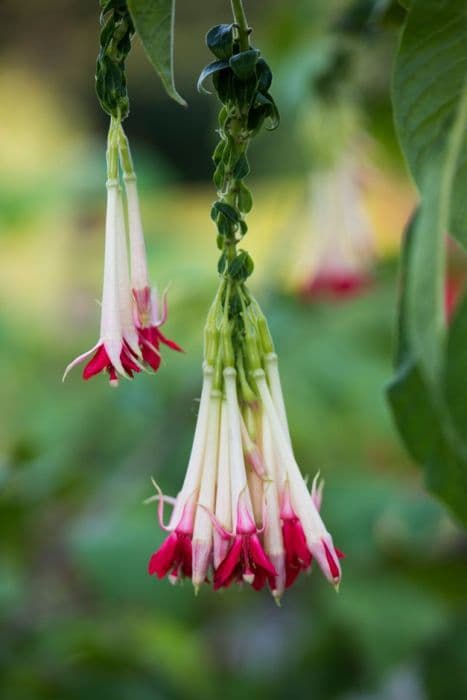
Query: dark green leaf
{"points": [[219, 40], [429, 75], [222, 81], [241, 267], [428, 407], [226, 210], [211, 69], [264, 75], [245, 200], [241, 168], [218, 152], [224, 224], [154, 23], [244, 64], [222, 264]]}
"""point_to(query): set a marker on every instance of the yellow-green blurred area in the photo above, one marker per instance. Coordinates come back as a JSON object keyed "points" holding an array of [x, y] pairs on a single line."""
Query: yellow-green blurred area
{"points": [[80, 617]]}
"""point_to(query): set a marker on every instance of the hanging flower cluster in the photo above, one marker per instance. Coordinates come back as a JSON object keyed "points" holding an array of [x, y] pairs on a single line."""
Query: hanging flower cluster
{"points": [[244, 512], [131, 312], [342, 247]]}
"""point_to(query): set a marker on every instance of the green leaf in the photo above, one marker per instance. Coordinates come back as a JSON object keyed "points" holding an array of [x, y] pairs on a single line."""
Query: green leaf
{"points": [[429, 75], [241, 267], [226, 210], [429, 408], [241, 167], [154, 23], [425, 277], [245, 200], [211, 69], [219, 40], [222, 264], [424, 417], [264, 75], [244, 64]]}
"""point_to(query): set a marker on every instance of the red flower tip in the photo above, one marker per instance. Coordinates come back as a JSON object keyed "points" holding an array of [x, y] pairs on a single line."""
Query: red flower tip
{"points": [[245, 561], [100, 361], [336, 286], [174, 555]]}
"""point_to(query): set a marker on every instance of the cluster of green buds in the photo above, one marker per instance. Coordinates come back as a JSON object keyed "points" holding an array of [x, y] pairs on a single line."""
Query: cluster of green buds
{"points": [[241, 78], [236, 330], [237, 335], [116, 33]]}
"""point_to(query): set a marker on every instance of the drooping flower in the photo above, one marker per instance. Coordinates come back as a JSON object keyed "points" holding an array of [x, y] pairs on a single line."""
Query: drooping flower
{"points": [[244, 514], [342, 249], [149, 315], [117, 351], [302, 522], [130, 316], [175, 556]]}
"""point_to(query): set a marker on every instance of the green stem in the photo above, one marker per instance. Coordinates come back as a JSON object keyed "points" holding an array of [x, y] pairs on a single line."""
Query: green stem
{"points": [[242, 24], [237, 127], [125, 155], [112, 150]]}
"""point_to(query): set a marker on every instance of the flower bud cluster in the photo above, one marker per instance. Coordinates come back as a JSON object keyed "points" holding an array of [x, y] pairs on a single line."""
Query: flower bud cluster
{"points": [[115, 43], [241, 78]]}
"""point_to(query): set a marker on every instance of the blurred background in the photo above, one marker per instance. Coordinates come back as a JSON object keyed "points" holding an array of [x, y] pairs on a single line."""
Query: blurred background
{"points": [[80, 618]]}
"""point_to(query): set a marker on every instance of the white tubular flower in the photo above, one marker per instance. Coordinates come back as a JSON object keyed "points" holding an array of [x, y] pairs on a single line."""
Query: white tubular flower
{"points": [[273, 540], [274, 381], [128, 329], [195, 463], [318, 539], [246, 559], [139, 265], [115, 351], [175, 557], [148, 317], [223, 509], [203, 527]]}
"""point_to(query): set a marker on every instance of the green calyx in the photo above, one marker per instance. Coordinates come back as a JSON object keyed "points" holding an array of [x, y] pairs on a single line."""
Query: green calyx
{"points": [[236, 335], [115, 43], [241, 79]]}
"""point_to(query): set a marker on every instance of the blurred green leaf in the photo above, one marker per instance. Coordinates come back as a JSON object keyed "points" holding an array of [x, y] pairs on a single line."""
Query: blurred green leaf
{"points": [[429, 76], [154, 23]]}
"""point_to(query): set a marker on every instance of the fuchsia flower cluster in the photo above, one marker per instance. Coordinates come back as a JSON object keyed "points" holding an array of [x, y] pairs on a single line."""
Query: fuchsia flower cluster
{"points": [[131, 314], [244, 513]]}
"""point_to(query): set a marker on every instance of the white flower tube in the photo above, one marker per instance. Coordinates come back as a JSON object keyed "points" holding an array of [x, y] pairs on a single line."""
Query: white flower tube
{"points": [[128, 329], [318, 539], [223, 510], [111, 332], [274, 381], [239, 488], [203, 527], [138, 260], [273, 541], [195, 463]]}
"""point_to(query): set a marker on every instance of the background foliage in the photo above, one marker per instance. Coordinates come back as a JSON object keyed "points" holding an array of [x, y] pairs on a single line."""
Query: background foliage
{"points": [[79, 616]]}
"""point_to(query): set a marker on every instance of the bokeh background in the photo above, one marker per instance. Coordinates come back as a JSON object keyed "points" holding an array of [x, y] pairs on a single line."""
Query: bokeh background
{"points": [[80, 618]]}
